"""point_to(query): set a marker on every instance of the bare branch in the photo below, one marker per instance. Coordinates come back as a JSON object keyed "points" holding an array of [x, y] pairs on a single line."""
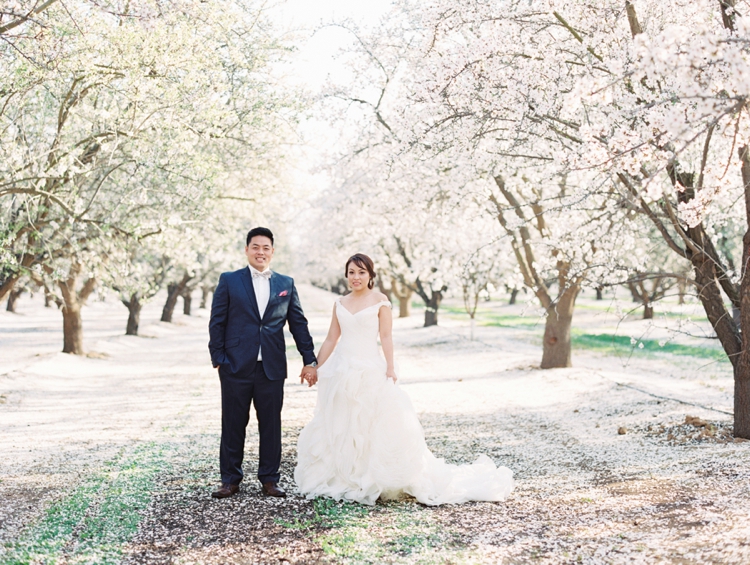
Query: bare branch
{"points": [[22, 19], [706, 146], [635, 26], [575, 34], [728, 13], [652, 216]]}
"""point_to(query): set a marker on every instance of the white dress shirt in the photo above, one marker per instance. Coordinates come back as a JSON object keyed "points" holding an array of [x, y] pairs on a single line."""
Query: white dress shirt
{"points": [[262, 288]]}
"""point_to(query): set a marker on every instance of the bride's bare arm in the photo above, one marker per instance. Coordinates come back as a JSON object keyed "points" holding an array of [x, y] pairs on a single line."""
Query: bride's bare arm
{"points": [[334, 333], [386, 340]]}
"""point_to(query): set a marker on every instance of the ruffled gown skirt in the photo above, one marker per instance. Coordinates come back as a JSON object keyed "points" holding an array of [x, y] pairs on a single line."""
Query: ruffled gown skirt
{"points": [[365, 442]]}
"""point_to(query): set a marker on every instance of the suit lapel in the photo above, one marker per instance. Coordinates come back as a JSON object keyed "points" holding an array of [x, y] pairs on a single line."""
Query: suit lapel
{"points": [[274, 291], [247, 281]]}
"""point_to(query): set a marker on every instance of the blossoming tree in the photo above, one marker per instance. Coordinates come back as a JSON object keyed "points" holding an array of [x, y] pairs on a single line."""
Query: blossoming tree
{"points": [[119, 118]]}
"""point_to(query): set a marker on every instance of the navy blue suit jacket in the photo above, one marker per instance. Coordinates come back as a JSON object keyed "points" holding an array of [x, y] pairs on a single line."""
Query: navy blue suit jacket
{"points": [[237, 330]]}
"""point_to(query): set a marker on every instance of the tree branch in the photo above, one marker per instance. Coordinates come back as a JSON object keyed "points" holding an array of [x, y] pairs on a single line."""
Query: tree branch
{"points": [[575, 34], [635, 26], [652, 216], [17, 22]]}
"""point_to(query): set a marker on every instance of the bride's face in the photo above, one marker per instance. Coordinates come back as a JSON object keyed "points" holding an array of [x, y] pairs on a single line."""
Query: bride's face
{"points": [[357, 276]]}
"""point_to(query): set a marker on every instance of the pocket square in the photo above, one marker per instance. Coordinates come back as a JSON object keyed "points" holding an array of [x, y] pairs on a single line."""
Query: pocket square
{"points": [[283, 293]]}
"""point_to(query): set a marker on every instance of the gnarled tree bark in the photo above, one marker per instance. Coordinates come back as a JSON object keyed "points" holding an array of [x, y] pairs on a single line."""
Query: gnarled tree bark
{"points": [[513, 296], [403, 293], [187, 301], [742, 366], [432, 301], [73, 301], [134, 305], [8, 282], [556, 348], [174, 290], [206, 291], [13, 296]]}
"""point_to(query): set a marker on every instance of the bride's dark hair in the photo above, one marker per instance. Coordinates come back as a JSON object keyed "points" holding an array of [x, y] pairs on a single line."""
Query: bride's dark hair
{"points": [[363, 261]]}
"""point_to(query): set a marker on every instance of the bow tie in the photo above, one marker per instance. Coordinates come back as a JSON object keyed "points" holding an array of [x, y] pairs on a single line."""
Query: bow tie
{"points": [[264, 275]]}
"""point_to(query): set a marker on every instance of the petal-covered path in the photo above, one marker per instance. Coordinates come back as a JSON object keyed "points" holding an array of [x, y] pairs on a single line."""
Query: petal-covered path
{"points": [[112, 457]]}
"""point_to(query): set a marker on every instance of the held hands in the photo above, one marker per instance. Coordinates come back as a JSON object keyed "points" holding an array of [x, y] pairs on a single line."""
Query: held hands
{"points": [[391, 374], [309, 374]]}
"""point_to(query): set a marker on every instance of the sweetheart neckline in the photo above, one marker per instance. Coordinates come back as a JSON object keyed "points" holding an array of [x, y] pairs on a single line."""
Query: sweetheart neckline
{"points": [[381, 303]]}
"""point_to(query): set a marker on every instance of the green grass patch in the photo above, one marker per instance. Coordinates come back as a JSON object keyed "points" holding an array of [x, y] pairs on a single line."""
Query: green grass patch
{"points": [[334, 514], [623, 345], [492, 318], [487, 317], [329, 513], [347, 538], [353, 545], [508, 321], [635, 311], [391, 532], [415, 535], [44, 542], [94, 521]]}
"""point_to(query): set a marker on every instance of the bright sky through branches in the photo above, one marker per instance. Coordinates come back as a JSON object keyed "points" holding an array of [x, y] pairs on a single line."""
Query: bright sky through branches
{"points": [[316, 57], [316, 62]]}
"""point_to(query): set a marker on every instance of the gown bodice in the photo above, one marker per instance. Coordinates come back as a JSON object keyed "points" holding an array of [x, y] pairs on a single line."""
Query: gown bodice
{"points": [[359, 331]]}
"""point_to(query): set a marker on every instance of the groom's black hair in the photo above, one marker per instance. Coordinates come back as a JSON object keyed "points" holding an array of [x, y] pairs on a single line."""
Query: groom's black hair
{"points": [[265, 232]]}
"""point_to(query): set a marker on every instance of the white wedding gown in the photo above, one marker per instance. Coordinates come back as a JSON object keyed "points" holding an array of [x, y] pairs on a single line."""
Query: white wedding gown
{"points": [[365, 440]]}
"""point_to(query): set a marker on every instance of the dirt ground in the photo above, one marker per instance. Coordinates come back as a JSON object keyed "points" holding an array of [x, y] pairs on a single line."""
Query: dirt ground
{"points": [[112, 457]]}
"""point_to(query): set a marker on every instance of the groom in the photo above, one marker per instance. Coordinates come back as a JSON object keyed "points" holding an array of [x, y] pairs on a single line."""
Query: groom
{"points": [[248, 313]]}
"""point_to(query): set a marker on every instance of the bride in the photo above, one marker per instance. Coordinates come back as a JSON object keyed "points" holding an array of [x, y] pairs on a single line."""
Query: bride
{"points": [[365, 441]]}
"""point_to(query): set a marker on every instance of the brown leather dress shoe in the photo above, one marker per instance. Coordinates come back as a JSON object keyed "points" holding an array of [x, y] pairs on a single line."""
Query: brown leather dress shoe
{"points": [[225, 491], [273, 489]]}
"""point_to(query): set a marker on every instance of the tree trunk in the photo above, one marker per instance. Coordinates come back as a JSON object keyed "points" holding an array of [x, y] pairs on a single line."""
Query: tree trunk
{"points": [[634, 292], [72, 329], [134, 314], [599, 293], [647, 300], [174, 290], [472, 327], [13, 296], [513, 296], [681, 290], [431, 312], [382, 288], [205, 292], [742, 366], [403, 293], [556, 347], [742, 397], [648, 311], [73, 301], [168, 310], [404, 306], [187, 302], [7, 286]]}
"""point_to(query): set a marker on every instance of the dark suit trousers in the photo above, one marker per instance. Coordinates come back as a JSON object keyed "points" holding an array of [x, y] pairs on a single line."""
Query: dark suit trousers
{"points": [[237, 393]]}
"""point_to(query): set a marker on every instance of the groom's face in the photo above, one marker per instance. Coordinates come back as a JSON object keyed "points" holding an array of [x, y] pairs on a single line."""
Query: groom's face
{"points": [[259, 252]]}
